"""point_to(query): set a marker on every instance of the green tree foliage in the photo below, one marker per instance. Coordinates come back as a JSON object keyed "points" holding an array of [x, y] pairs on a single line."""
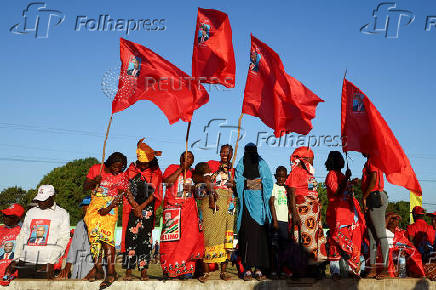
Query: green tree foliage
{"points": [[11, 195], [403, 209], [68, 183], [158, 219]]}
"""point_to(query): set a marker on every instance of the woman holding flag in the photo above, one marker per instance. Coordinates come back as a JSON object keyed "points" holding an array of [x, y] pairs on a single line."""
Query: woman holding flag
{"points": [[108, 183], [344, 218], [218, 214], [182, 242]]}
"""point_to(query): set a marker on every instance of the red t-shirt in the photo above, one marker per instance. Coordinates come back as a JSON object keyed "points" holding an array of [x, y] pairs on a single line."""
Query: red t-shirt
{"points": [[110, 184], [340, 210], [420, 231], [302, 181], [175, 191], [367, 169], [7, 236]]}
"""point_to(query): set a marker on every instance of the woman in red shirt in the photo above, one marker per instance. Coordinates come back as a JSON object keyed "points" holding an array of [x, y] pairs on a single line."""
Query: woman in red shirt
{"points": [[344, 218], [305, 205], [181, 241], [108, 184]]}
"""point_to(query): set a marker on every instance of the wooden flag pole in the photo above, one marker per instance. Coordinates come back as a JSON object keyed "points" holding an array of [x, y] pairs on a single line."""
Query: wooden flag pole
{"points": [[346, 153], [237, 140], [186, 155], [104, 144]]}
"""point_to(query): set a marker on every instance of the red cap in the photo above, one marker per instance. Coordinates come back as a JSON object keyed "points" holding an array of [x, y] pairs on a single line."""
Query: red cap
{"points": [[14, 209], [418, 210]]}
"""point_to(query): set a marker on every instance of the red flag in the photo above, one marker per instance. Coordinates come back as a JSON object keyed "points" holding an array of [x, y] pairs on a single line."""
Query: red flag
{"points": [[364, 130], [157, 80], [279, 100], [213, 59]]}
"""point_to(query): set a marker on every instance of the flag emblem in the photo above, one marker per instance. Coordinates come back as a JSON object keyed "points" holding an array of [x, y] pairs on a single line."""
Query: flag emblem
{"points": [[358, 105], [254, 60], [134, 67], [203, 32]]}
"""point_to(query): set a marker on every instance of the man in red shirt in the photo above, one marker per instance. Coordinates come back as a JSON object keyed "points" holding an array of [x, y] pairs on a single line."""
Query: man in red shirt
{"points": [[421, 234], [375, 202]]}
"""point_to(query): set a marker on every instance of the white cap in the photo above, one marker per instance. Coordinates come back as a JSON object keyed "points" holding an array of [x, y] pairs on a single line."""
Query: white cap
{"points": [[44, 192]]}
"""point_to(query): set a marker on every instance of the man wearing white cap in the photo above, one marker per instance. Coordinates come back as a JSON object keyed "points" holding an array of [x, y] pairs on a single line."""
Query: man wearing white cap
{"points": [[43, 237]]}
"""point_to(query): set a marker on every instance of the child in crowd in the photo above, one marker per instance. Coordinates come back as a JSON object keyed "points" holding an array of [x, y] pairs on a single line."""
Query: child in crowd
{"points": [[278, 204]]}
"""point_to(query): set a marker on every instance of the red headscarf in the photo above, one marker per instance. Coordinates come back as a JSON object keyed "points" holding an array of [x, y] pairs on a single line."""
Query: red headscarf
{"points": [[299, 155]]}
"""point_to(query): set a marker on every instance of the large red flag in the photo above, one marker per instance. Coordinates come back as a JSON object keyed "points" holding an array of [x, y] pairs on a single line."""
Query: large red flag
{"points": [[364, 130], [213, 60], [158, 80], [279, 100]]}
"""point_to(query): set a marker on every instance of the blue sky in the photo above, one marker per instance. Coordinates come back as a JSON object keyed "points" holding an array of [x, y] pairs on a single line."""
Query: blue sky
{"points": [[53, 109]]}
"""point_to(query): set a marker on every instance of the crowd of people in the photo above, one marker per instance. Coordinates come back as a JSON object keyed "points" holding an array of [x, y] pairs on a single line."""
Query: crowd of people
{"points": [[279, 226]]}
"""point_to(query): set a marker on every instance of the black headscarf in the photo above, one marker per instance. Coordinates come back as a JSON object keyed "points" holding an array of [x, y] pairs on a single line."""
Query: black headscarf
{"points": [[251, 162]]}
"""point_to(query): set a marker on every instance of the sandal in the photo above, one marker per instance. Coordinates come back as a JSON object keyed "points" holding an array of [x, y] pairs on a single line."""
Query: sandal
{"points": [[258, 276], [372, 273], [224, 276], [204, 278], [145, 278], [107, 283], [247, 276]]}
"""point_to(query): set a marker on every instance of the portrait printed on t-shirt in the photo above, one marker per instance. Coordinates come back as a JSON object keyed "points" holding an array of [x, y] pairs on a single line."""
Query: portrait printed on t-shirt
{"points": [[39, 233]]}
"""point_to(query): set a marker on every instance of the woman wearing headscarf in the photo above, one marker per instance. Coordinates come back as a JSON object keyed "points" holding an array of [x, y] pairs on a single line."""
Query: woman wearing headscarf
{"points": [[305, 206], [143, 197], [254, 185], [344, 218], [218, 214], [182, 242], [108, 186], [401, 247]]}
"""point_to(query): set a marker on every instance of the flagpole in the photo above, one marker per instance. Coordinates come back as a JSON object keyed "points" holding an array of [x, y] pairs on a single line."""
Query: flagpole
{"points": [[104, 144], [186, 156], [346, 153], [237, 139]]}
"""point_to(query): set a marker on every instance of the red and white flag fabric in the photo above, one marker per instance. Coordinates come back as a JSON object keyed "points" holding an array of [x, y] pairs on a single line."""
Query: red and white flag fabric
{"points": [[279, 100], [213, 59], [364, 130], [155, 79]]}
